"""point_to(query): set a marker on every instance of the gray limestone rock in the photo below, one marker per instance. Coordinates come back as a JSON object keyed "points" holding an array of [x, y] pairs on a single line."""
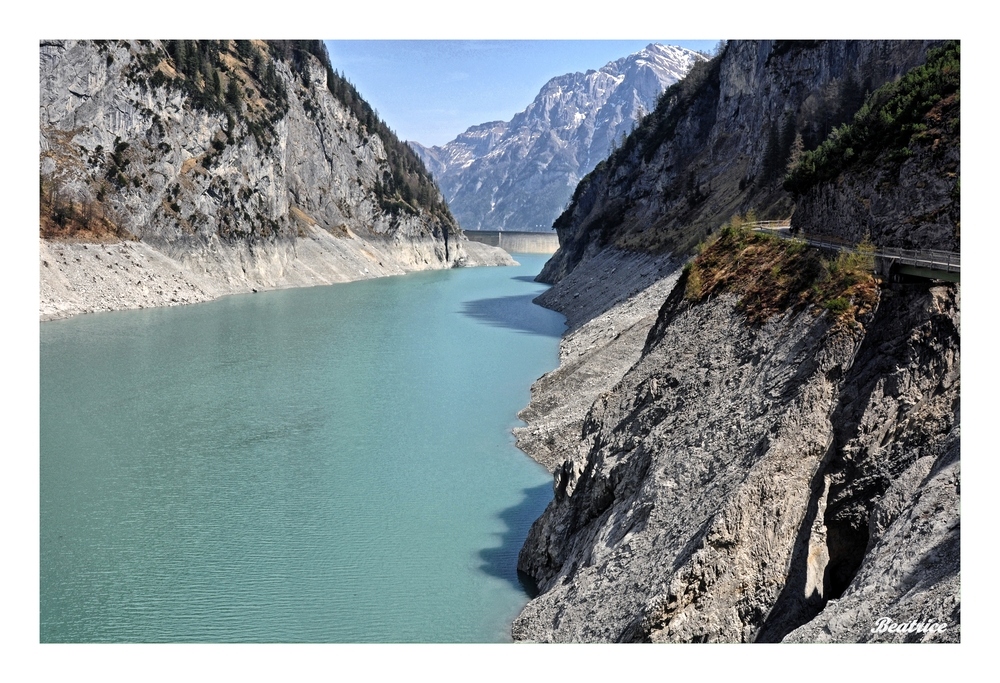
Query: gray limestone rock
{"points": [[745, 483], [715, 145], [718, 480], [223, 204]]}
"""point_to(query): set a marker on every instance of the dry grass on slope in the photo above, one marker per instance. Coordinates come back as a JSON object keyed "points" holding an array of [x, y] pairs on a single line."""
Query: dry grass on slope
{"points": [[772, 275]]}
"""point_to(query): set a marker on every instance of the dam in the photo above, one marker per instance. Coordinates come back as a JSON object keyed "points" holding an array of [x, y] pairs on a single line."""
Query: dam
{"points": [[517, 242]]}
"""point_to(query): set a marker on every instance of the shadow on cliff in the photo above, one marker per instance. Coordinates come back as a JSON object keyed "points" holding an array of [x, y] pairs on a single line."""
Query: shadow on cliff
{"points": [[515, 312], [502, 560]]}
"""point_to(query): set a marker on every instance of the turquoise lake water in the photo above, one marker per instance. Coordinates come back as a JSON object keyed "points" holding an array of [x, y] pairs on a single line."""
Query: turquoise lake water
{"points": [[330, 464]]}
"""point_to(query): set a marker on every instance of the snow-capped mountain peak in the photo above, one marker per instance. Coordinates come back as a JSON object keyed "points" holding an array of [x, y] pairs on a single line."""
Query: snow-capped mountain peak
{"points": [[518, 175]]}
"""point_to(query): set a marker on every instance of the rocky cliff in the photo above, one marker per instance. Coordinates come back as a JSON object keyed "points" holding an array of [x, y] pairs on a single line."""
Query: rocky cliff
{"points": [[891, 173], [764, 446], [182, 170], [737, 479], [518, 175], [718, 143]]}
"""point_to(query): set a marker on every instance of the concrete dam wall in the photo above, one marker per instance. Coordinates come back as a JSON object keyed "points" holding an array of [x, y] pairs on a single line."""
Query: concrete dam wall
{"points": [[517, 242]]}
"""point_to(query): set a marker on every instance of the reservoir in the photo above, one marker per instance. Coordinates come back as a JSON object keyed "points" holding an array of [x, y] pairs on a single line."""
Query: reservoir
{"points": [[328, 464]]}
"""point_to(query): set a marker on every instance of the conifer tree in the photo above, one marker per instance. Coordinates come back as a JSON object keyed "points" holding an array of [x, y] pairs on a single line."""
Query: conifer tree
{"points": [[233, 94]]}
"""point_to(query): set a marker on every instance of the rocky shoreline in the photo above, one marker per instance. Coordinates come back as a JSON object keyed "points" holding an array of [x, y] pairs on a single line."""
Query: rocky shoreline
{"points": [[823, 499], [157, 190], [766, 446], [609, 305], [89, 277]]}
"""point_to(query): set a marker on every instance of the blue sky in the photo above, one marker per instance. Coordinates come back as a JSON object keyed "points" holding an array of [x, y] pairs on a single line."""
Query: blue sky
{"points": [[432, 90]]}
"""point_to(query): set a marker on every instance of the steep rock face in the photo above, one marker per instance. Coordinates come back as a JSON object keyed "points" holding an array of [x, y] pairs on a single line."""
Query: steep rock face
{"points": [[518, 175], [718, 144], [911, 202], [893, 498], [694, 517], [885, 211], [796, 478], [230, 197]]}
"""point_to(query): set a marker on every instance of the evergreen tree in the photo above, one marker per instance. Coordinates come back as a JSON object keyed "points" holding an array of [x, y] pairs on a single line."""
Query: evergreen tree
{"points": [[796, 152], [180, 55], [786, 140], [233, 94], [244, 49]]}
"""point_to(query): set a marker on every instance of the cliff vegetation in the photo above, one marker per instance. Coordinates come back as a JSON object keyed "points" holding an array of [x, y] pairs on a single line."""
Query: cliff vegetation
{"points": [[893, 171], [719, 144], [406, 185], [771, 275], [221, 166], [921, 106], [244, 83]]}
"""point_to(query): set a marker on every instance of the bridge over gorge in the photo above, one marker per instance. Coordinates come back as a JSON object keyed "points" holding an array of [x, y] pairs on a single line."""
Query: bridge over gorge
{"points": [[889, 262]]}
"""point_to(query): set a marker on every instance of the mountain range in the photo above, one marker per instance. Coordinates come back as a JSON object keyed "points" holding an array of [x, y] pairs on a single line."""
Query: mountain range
{"points": [[519, 174]]}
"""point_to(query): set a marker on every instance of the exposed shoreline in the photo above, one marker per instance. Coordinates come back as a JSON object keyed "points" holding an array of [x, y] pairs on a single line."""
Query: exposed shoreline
{"points": [[610, 302], [91, 277], [682, 515]]}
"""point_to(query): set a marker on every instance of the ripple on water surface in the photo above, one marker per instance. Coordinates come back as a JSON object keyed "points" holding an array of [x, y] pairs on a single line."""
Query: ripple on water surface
{"points": [[331, 464]]}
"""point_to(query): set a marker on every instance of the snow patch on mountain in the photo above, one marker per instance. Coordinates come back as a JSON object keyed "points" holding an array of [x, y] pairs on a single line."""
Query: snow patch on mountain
{"points": [[519, 175]]}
